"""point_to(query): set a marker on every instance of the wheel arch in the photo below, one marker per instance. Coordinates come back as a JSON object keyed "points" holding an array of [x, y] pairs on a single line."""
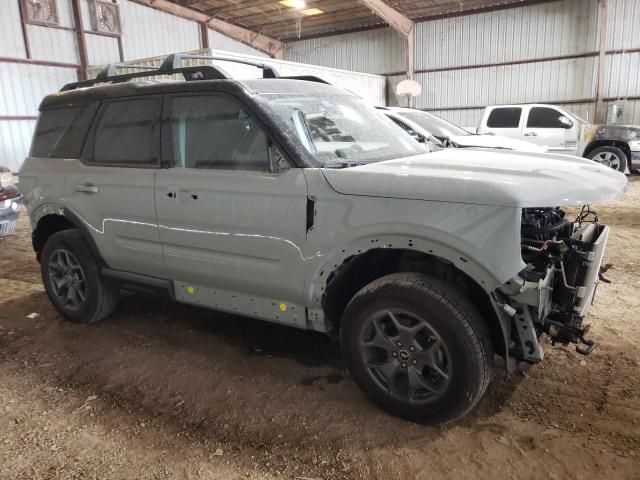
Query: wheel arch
{"points": [[624, 146], [49, 219], [361, 267]]}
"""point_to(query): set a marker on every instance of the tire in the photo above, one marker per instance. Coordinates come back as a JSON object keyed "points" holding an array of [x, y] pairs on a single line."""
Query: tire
{"points": [[450, 340], [7, 228], [611, 157], [67, 260]]}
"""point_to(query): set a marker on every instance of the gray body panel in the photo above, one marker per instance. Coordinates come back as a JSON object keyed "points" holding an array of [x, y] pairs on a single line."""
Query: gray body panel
{"points": [[116, 205], [243, 245], [244, 232]]}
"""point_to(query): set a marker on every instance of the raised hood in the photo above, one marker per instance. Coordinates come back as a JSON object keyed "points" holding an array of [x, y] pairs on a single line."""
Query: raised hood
{"points": [[510, 179], [497, 141]]}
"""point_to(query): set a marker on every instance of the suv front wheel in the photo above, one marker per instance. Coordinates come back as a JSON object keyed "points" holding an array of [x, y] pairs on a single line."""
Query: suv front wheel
{"points": [[417, 348], [72, 280]]}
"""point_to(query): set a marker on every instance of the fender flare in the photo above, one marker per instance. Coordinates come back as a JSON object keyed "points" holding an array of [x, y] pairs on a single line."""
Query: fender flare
{"points": [[463, 262], [49, 209], [467, 265]]}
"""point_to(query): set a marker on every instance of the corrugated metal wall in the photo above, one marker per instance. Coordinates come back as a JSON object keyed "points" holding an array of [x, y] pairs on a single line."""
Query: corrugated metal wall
{"points": [[503, 56], [219, 41], [145, 32], [379, 51], [622, 70], [537, 31]]}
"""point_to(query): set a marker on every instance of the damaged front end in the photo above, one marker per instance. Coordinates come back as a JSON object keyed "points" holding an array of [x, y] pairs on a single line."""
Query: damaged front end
{"points": [[554, 292]]}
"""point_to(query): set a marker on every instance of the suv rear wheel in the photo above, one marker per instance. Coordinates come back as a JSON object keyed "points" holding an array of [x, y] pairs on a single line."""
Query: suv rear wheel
{"points": [[417, 348], [72, 280]]}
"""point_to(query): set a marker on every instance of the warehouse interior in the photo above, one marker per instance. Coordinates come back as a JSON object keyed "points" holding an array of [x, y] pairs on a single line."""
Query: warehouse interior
{"points": [[466, 55], [188, 377]]}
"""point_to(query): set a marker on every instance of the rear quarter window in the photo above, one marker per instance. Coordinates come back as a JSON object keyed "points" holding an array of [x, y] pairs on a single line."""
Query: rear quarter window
{"points": [[60, 133], [51, 126], [504, 117]]}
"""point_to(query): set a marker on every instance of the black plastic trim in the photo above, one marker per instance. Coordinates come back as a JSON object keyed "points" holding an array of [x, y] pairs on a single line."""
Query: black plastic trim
{"points": [[140, 283], [82, 228]]}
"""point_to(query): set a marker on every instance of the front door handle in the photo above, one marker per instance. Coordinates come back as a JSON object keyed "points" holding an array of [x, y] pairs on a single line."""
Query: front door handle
{"points": [[87, 188], [531, 134]]}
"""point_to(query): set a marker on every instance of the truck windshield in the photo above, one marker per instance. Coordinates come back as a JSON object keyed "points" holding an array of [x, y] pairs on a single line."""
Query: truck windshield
{"points": [[434, 125], [341, 131]]}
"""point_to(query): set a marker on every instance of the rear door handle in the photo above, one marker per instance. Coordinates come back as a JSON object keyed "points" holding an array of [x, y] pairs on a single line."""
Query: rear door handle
{"points": [[87, 188], [531, 134]]}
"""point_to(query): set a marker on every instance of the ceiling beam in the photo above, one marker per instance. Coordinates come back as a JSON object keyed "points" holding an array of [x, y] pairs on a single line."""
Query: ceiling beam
{"points": [[261, 42], [397, 20], [402, 24]]}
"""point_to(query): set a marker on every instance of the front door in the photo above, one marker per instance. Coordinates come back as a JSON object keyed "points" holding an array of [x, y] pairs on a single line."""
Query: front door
{"points": [[232, 222], [550, 127]]}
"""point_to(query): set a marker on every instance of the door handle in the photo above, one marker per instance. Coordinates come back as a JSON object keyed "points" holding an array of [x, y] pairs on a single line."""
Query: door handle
{"points": [[87, 188], [531, 134]]}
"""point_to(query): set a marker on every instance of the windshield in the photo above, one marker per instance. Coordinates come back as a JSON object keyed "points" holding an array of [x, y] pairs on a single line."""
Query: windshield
{"points": [[434, 125], [340, 130]]}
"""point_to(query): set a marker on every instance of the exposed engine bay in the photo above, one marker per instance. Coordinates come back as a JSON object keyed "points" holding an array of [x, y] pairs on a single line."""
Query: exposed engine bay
{"points": [[554, 292]]}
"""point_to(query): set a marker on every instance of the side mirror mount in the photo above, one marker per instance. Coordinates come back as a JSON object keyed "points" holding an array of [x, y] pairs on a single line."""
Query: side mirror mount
{"points": [[277, 162], [566, 122]]}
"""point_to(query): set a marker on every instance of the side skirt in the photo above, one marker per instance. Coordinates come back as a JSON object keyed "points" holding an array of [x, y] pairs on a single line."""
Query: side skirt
{"points": [[140, 283], [270, 310]]}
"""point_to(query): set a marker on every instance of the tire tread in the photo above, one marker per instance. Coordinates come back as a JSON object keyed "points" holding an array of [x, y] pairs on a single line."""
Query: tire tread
{"points": [[472, 325]]}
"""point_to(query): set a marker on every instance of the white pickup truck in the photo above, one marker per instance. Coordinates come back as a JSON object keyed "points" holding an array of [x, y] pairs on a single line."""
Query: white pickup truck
{"points": [[616, 146]]}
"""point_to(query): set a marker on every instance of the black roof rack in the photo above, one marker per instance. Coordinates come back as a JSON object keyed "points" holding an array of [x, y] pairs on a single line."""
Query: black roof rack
{"points": [[112, 69], [175, 60], [173, 65]]}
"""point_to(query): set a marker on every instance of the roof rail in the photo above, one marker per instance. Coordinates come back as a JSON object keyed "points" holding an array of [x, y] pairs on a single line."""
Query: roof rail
{"points": [[111, 69], [175, 60], [202, 72], [172, 64]]}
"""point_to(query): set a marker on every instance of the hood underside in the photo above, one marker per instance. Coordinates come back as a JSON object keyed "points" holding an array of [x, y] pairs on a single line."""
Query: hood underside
{"points": [[483, 177]]}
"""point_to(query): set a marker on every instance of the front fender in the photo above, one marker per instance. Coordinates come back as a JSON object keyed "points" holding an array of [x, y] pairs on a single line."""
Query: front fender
{"points": [[481, 241]]}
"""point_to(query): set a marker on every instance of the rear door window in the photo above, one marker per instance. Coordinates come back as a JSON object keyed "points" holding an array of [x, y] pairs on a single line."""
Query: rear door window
{"points": [[127, 133], [504, 117], [544, 117]]}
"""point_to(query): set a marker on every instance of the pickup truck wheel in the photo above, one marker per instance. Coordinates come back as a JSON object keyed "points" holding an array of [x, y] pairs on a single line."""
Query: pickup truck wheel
{"points": [[611, 157], [72, 280], [417, 348]]}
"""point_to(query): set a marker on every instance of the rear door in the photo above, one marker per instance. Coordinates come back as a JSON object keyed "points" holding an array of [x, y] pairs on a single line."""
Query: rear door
{"points": [[550, 127], [232, 212], [111, 187]]}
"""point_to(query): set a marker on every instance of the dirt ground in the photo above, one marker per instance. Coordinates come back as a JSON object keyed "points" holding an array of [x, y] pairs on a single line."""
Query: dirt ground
{"points": [[169, 391]]}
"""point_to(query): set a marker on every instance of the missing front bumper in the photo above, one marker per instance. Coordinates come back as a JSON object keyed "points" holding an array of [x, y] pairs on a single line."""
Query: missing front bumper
{"points": [[556, 299]]}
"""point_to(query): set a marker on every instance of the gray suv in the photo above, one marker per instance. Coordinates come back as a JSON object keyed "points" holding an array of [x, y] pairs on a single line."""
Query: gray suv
{"points": [[291, 201]]}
